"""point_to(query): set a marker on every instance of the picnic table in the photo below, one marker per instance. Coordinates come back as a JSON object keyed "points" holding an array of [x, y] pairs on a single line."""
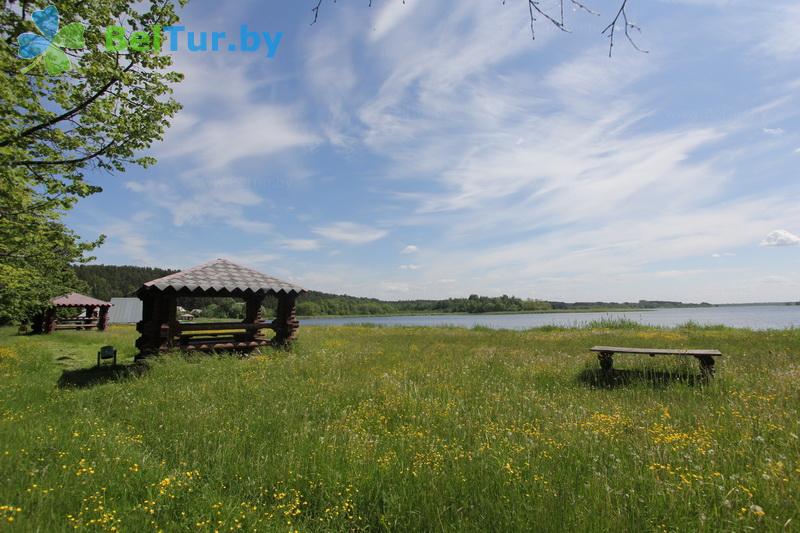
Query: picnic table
{"points": [[706, 357]]}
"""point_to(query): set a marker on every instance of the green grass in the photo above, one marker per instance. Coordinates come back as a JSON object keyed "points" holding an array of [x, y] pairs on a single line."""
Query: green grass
{"points": [[404, 429]]}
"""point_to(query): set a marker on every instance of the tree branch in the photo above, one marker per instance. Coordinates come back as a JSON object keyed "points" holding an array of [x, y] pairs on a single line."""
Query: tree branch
{"points": [[33, 207], [68, 114], [76, 161]]}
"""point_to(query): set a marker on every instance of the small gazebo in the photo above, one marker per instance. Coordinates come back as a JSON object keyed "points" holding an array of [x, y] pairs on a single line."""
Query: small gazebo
{"points": [[93, 314], [161, 331]]}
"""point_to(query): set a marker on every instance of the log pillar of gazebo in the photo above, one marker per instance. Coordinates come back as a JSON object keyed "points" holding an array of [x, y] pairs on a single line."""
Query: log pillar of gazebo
{"points": [[252, 310], [102, 321], [160, 331], [159, 319], [285, 323], [148, 327]]}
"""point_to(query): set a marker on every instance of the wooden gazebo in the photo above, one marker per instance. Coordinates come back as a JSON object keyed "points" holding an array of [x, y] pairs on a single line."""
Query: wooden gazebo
{"points": [[95, 314], [161, 331]]}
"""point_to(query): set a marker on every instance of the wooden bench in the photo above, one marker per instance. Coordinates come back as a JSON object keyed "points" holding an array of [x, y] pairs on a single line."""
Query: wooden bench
{"points": [[215, 336], [76, 323], [706, 357]]}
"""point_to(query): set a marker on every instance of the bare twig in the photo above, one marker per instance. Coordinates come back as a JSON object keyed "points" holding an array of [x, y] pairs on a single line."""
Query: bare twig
{"points": [[316, 8], [558, 20], [583, 7], [628, 26]]}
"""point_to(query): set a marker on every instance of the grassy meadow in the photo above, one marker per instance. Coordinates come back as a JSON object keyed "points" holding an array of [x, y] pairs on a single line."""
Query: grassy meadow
{"points": [[403, 429]]}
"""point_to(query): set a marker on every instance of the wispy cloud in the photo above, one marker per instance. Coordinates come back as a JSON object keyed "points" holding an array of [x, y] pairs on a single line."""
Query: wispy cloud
{"points": [[535, 168], [257, 130], [564, 174], [350, 233], [389, 16], [777, 30], [204, 201], [225, 124], [124, 238], [225, 120], [300, 245]]}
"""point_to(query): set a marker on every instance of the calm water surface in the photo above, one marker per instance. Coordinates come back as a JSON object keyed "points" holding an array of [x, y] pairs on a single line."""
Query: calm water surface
{"points": [[754, 317]]}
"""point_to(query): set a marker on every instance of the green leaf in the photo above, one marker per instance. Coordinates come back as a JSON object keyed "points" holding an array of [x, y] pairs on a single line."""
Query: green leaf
{"points": [[56, 61], [71, 36]]}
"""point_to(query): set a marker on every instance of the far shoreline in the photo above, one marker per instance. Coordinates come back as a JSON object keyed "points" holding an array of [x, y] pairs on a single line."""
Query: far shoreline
{"points": [[499, 313], [582, 310]]}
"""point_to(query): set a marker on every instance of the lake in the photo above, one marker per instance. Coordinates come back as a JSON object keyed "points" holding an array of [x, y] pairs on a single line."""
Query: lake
{"points": [[754, 317]]}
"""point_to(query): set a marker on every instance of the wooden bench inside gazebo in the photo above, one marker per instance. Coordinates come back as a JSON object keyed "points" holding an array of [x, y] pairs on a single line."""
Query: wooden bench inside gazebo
{"points": [[161, 330], [94, 314]]}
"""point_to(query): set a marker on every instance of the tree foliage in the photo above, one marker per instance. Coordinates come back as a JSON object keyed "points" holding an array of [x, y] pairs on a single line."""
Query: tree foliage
{"points": [[99, 115], [320, 304], [106, 282]]}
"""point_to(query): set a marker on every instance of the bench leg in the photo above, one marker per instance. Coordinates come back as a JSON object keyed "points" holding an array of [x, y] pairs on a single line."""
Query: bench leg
{"points": [[706, 366], [606, 360]]}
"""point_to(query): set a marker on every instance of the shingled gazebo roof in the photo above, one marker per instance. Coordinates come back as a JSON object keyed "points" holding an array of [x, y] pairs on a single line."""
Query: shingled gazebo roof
{"points": [[74, 299], [220, 277]]}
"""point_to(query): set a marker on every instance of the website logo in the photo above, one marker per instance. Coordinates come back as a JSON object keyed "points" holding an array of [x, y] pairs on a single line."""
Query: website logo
{"points": [[48, 48], [51, 45]]}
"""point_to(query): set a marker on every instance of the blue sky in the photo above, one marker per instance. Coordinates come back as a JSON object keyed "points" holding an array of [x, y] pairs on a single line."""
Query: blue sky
{"points": [[431, 149]]}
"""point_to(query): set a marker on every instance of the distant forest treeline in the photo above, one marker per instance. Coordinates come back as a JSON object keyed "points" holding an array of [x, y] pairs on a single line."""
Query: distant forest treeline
{"points": [[106, 282]]}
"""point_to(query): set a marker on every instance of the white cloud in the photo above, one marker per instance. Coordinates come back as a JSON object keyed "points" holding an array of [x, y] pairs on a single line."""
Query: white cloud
{"points": [[777, 280], [124, 238], [778, 32], [248, 258], [715, 3], [389, 16], [392, 287], [350, 233], [781, 237], [261, 130], [431, 70], [300, 245], [570, 172], [532, 171], [201, 201], [224, 120]]}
